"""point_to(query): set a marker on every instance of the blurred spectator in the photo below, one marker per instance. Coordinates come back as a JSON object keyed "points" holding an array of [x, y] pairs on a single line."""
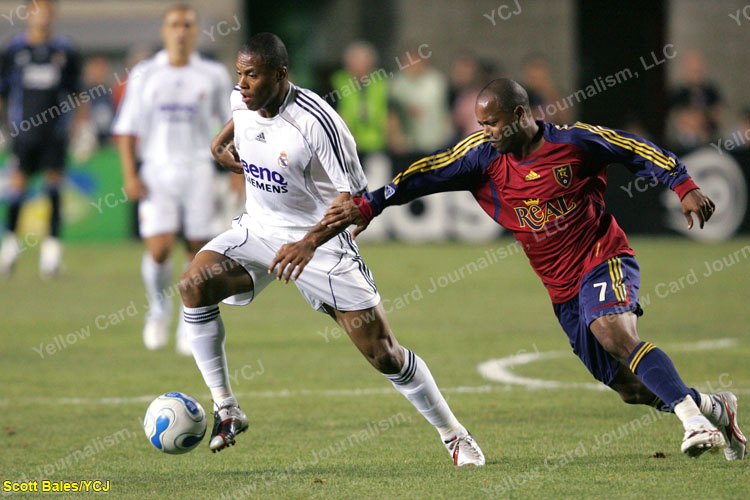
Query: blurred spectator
{"points": [[419, 121], [635, 125], [538, 82], [97, 72], [360, 95], [696, 92], [466, 82], [687, 129]]}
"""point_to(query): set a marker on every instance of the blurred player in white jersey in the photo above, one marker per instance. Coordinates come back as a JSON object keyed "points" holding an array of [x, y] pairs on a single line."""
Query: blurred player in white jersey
{"points": [[297, 156], [173, 104]]}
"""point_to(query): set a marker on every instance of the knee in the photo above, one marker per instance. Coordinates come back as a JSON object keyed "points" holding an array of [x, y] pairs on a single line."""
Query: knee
{"points": [[616, 349], [192, 289], [617, 345], [160, 255]]}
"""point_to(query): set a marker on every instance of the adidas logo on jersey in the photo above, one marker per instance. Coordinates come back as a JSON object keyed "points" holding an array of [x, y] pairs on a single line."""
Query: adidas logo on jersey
{"points": [[389, 191], [260, 137]]}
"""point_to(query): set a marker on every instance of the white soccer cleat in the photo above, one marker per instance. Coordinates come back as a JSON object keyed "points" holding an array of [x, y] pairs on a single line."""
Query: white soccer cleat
{"points": [[50, 257], [182, 344], [155, 333], [701, 438], [9, 252], [228, 422], [736, 444], [464, 450]]}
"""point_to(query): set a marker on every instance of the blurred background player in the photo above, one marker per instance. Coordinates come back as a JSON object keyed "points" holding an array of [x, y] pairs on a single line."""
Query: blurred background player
{"points": [[173, 103], [38, 72]]}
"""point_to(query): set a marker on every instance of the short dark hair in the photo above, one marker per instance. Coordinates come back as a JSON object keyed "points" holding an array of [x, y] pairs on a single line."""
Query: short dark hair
{"points": [[269, 47], [181, 7], [509, 94]]}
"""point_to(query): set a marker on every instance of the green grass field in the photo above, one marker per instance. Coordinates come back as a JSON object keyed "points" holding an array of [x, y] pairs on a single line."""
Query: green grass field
{"points": [[75, 381]]}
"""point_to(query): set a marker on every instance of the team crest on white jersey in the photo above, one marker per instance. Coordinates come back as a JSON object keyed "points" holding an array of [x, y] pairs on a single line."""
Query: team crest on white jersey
{"points": [[283, 160]]}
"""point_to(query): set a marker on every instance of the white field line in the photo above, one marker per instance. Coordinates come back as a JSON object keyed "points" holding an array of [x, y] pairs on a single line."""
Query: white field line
{"points": [[284, 393], [495, 370], [501, 369]]}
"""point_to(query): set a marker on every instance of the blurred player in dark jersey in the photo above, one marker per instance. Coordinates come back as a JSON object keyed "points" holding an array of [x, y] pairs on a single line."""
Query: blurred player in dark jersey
{"points": [[546, 183], [39, 77]]}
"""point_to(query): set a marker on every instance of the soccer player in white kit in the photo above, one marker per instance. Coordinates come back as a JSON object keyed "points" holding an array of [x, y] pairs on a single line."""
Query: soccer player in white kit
{"points": [[174, 102], [297, 156]]}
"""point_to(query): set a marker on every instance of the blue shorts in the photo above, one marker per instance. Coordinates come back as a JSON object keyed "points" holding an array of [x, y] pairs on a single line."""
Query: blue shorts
{"points": [[609, 288]]}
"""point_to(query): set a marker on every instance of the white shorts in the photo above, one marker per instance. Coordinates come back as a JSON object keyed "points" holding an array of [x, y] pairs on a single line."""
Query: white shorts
{"points": [[336, 276], [178, 199]]}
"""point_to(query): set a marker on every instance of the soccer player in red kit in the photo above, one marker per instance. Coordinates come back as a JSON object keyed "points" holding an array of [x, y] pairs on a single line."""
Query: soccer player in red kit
{"points": [[546, 183]]}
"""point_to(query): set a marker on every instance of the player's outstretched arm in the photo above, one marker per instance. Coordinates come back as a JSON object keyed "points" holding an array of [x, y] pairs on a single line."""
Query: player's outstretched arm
{"points": [[453, 169], [645, 159], [222, 147], [292, 258]]}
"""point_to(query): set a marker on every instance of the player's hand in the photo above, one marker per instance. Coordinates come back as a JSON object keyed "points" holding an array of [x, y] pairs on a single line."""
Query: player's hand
{"points": [[291, 259], [342, 214], [135, 188], [227, 156], [695, 202]]}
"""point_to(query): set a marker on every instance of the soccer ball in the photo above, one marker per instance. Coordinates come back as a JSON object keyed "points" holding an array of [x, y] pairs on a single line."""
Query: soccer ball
{"points": [[175, 423]]}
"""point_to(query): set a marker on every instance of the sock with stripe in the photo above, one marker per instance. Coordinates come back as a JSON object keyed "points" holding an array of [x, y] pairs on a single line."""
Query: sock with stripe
{"points": [[156, 277], [657, 372], [660, 405], [205, 332], [416, 383]]}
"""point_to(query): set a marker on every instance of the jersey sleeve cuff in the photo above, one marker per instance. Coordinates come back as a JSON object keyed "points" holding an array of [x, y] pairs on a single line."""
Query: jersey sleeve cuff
{"points": [[684, 187], [365, 209], [375, 202]]}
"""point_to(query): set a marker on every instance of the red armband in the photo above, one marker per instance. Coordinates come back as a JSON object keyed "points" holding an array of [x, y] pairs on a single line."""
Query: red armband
{"points": [[365, 210], [684, 187]]}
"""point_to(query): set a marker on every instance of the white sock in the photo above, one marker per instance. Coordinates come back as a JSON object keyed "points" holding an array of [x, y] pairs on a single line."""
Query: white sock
{"points": [[710, 408], [205, 332], [689, 413], [156, 277], [416, 383]]}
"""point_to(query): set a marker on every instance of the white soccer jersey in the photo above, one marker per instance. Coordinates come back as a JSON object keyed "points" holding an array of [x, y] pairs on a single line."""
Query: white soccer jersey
{"points": [[297, 162], [174, 110]]}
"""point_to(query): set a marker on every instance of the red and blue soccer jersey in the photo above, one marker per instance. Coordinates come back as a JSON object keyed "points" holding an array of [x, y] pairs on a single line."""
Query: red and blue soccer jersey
{"points": [[552, 200]]}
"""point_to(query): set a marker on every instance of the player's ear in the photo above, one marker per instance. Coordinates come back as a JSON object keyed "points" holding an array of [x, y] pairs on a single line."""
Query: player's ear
{"points": [[281, 73]]}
